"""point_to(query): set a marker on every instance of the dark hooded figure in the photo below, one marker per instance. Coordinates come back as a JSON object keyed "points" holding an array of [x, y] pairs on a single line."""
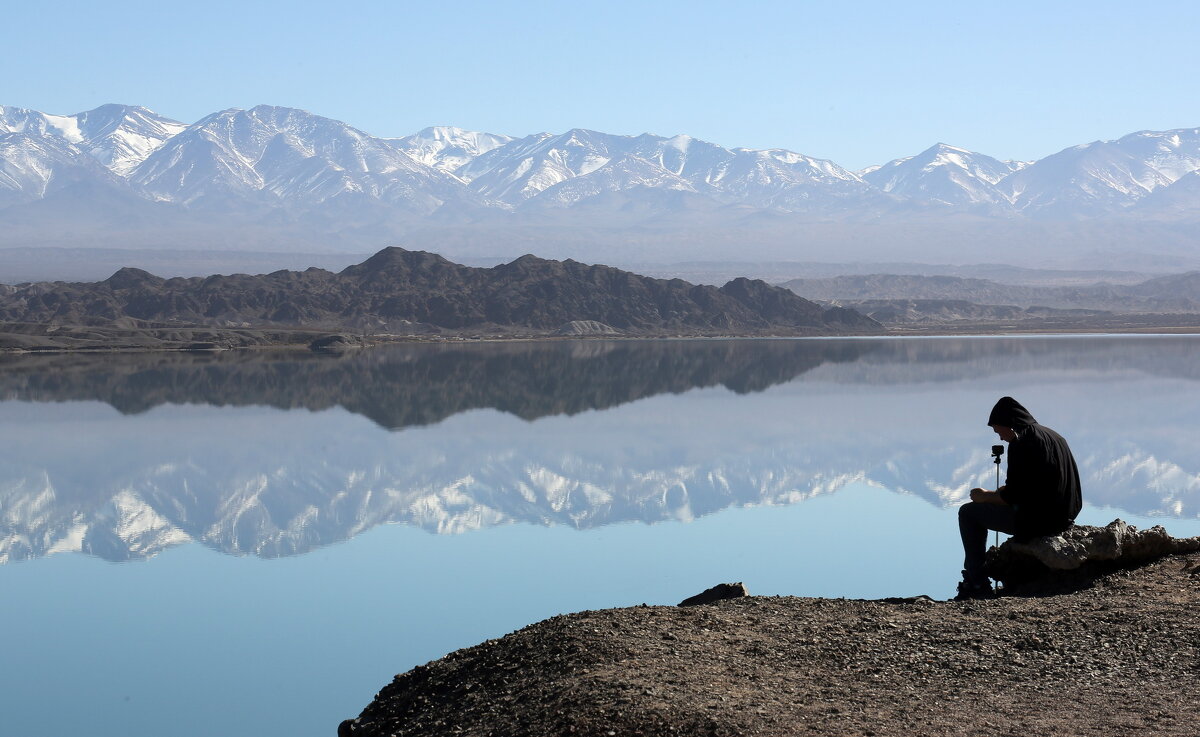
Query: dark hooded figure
{"points": [[1041, 495]]}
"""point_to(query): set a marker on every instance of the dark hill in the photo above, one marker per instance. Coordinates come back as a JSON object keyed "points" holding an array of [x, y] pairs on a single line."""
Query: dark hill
{"points": [[417, 292]]}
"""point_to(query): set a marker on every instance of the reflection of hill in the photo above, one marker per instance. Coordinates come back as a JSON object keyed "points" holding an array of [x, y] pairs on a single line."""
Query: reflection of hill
{"points": [[400, 386]]}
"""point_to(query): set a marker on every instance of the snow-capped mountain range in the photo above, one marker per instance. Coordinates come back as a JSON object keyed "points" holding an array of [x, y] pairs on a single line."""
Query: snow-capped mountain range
{"points": [[294, 156], [275, 167]]}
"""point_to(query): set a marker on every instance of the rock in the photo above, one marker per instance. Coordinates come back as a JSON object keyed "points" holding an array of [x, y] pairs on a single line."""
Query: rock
{"points": [[717, 593], [1083, 548], [335, 343], [586, 327], [918, 599]]}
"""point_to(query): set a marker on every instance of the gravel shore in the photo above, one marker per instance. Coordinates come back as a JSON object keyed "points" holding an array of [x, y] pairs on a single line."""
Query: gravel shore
{"points": [[1116, 658]]}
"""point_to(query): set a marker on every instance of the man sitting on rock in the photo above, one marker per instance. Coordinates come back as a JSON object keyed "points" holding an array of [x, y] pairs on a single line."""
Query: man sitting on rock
{"points": [[1041, 495]]}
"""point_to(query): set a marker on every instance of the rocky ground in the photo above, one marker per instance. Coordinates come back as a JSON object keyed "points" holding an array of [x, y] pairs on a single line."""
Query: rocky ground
{"points": [[1119, 657]]}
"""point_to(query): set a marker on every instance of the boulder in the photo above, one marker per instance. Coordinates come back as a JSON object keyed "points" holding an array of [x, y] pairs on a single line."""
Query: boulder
{"points": [[719, 592], [336, 343], [1082, 550]]}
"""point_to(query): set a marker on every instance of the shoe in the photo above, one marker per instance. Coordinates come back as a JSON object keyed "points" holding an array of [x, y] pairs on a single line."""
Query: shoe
{"points": [[971, 591]]}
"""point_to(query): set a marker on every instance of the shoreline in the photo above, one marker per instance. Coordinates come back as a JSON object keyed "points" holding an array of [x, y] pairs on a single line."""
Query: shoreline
{"points": [[47, 339]]}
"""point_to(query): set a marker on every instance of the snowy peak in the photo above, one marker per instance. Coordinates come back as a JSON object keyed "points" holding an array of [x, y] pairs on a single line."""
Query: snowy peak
{"points": [[1173, 154], [684, 156], [287, 155], [945, 174], [118, 136], [526, 167], [814, 168], [34, 123], [1105, 176], [121, 136], [977, 165], [447, 148], [618, 175], [772, 178]]}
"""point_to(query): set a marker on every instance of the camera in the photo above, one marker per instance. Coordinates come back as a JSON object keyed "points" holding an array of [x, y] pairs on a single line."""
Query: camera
{"points": [[997, 451]]}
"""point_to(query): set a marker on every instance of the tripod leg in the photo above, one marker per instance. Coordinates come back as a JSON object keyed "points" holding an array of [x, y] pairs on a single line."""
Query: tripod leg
{"points": [[996, 586]]}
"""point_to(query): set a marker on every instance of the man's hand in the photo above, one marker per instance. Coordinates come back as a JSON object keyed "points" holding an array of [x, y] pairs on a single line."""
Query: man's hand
{"points": [[983, 496]]}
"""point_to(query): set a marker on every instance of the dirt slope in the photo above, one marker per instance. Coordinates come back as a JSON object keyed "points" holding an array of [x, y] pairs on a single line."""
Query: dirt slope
{"points": [[1117, 658]]}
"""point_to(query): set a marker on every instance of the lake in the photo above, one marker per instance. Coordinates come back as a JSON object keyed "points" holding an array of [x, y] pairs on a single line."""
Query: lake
{"points": [[256, 543]]}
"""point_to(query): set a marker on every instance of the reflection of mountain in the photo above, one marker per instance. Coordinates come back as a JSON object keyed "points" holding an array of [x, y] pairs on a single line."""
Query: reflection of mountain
{"points": [[901, 414], [399, 386], [280, 514]]}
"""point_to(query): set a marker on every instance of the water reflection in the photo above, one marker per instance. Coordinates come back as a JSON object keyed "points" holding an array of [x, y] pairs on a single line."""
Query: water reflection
{"points": [[197, 448], [402, 386]]}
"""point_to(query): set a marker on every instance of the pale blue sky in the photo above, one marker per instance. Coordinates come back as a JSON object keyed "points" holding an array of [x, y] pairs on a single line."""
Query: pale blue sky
{"points": [[856, 82]]}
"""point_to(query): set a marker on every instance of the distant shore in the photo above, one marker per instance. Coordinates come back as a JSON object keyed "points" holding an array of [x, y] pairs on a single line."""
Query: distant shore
{"points": [[1118, 657], [30, 338]]}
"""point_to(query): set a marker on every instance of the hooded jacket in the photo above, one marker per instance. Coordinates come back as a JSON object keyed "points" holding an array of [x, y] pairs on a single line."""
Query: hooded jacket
{"points": [[1043, 481]]}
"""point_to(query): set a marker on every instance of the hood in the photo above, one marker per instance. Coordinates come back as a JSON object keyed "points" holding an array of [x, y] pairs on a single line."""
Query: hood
{"points": [[1009, 413]]}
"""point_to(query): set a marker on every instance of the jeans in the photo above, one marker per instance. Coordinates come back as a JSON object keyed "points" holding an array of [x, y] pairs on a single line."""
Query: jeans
{"points": [[974, 521]]}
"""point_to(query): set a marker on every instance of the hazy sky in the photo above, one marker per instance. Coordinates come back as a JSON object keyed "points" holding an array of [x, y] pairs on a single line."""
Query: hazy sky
{"points": [[856, 82]]}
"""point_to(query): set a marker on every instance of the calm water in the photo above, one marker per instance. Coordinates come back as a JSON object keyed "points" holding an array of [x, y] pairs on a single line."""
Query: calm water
{"points": [[200, 545]]}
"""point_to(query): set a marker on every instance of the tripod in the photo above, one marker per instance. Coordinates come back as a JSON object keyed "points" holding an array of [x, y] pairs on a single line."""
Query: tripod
{"points": [[997, 451], [996, 459]]}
